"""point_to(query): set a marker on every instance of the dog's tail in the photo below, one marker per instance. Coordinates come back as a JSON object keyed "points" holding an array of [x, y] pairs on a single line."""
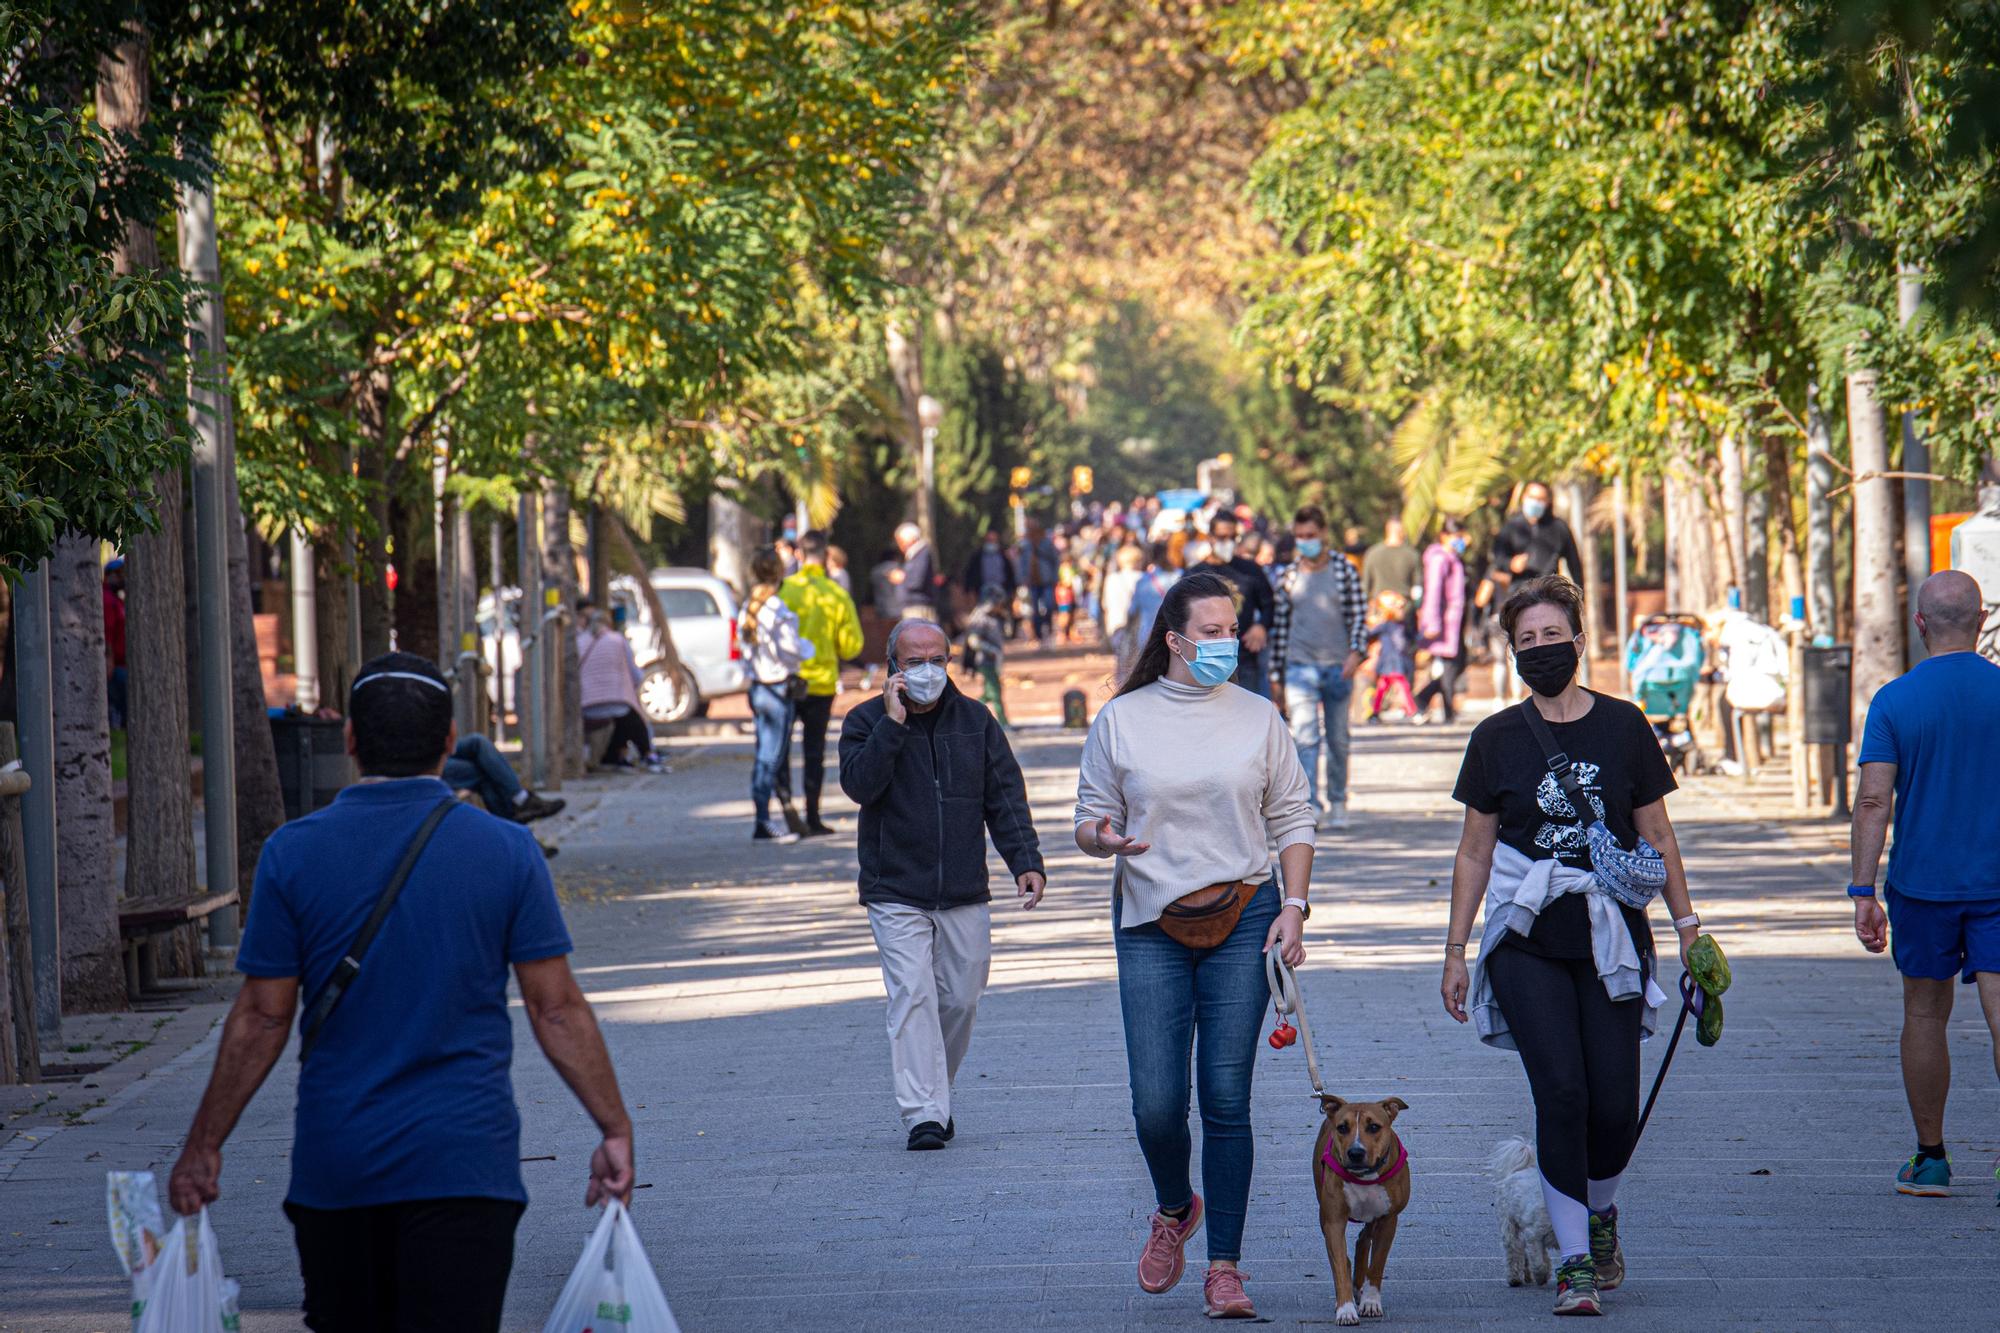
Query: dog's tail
{"points": [[1509, 1157]]}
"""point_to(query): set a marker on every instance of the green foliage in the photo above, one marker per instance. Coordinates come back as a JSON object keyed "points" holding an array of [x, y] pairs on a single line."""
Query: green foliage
{"points": [[84, 421]]}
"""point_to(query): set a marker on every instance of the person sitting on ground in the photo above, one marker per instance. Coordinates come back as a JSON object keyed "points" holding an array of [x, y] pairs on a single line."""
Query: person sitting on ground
{"points": [[933, 774], [475, 765], [1931, 750], [608, 680], [406, 1145]]}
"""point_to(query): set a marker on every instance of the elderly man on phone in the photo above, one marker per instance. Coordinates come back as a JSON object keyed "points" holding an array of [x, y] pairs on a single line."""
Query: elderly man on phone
{"points": [[934, 775]]}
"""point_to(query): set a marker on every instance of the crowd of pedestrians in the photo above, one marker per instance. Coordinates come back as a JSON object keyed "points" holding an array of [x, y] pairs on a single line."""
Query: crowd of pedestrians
{"points": [[1204, 780]]}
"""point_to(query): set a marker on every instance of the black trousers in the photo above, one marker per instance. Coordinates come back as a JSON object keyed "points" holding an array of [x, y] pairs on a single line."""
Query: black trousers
{"points": [[629, 727], [1581, 1051], [813, 713], [1445, 686], [427, 1266]]}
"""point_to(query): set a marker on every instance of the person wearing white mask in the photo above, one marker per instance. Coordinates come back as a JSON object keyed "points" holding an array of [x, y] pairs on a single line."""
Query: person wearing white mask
{"points": [[933, 774]]}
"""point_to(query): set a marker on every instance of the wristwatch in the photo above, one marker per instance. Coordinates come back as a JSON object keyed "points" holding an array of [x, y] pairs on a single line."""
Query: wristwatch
{"points": [[1861, 890], [1305, 908]]}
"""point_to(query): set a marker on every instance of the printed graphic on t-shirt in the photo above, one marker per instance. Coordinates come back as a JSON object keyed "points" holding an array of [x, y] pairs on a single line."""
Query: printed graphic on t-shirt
{"points": [[1567, 839]]}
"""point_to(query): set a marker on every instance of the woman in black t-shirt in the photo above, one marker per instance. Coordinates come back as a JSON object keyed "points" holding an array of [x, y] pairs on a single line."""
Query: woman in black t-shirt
{"points": [[1552, 985]]}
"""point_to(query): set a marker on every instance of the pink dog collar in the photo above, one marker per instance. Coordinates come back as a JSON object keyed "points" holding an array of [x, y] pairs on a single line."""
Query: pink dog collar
{"points": [[1402, 1160]]}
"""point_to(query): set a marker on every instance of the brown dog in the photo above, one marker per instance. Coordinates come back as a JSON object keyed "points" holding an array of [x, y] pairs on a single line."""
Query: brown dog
{"points": [[1362, 1174]]}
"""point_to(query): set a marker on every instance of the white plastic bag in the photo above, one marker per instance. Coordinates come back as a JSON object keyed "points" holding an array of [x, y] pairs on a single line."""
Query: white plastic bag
{"points": [[133, 1206], [188, 1293], [612, 1289]]}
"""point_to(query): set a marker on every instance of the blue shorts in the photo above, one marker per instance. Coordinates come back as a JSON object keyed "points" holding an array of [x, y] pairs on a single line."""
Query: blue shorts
{"points": [[1936, 940]]}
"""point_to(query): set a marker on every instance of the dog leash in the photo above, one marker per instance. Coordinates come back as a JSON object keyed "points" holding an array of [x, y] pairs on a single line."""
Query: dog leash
{"points": [[1286, 999], [1688, 993]]}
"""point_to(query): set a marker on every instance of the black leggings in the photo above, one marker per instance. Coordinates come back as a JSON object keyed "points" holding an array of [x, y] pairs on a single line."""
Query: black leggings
{"points": [[812, 712], [1444, 687], [1581, 1051], [628, 728]]}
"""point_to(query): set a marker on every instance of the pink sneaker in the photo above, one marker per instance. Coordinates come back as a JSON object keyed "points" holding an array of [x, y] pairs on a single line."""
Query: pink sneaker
{"points": [[1223, 1296], [1161, 1262]]}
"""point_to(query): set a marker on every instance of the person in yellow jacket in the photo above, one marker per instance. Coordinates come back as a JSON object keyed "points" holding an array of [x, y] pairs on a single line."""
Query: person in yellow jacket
{"points": [[828, 620]]}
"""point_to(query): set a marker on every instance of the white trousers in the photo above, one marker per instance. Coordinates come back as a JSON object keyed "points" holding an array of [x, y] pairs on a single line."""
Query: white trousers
{"points": [[934, 966]]}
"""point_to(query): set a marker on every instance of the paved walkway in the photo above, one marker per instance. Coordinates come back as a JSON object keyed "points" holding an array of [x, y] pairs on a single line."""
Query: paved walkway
{"points": [[739, 991]]}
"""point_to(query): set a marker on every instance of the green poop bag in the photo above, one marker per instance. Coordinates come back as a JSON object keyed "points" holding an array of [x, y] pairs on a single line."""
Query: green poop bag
{"points": [[1710, 971]]}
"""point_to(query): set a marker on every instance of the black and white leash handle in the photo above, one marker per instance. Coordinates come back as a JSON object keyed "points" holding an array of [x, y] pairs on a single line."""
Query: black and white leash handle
{"points": [[1289, 1003], [349, 966]]}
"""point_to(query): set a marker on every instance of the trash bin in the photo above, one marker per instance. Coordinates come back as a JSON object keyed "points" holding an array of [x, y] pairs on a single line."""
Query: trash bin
{"points": [[312, 761], [1829, 679]]}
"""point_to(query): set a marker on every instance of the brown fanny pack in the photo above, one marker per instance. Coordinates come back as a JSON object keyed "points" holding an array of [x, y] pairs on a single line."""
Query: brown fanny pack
{"points": [[1204, 918]]}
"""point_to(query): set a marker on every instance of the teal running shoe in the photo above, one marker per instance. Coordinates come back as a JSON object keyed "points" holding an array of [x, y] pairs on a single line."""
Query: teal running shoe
{"points": [[1925, 1177]]}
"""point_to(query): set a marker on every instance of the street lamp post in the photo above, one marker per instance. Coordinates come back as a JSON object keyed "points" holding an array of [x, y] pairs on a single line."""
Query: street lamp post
{"points": [[930, 416]]}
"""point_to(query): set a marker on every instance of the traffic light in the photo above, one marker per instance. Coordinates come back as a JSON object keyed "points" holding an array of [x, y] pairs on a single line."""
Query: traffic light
{"points": [[1079, 480]]}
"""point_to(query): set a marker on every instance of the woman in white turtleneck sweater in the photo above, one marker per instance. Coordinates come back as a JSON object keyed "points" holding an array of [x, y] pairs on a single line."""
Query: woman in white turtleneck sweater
{"points": [[1188, 780]]}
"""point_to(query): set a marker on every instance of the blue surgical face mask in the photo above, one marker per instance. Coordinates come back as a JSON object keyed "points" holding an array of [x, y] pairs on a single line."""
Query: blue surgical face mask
{"points": [[1310, 547], [1534, 510], [1214, 660], [1458, 545]]}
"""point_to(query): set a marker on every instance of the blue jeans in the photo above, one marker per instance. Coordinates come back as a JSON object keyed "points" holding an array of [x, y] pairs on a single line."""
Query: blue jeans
{"points": [[772, 707], [475, 765], [1169, 993], [1309, 691]]}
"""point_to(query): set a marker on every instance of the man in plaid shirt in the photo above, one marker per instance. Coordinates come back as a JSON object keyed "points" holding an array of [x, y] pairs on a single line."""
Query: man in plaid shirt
{"points": [[1319, 638]]}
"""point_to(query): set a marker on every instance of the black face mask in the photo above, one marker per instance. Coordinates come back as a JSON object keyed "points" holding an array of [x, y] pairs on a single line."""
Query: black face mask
{"points": [[1548, 668]]}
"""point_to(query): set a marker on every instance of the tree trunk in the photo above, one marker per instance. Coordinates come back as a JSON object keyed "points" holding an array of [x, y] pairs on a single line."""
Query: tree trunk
{"points": [[559, 572], [93, 977], [416, 578], [1734, 515], [906, 367], [1757, 551], [1878, 638], [260, 801], [628, 548], [1822, 584], [371, 411], [734, 533], [330, 574], [1784, 508], [159, 819]]}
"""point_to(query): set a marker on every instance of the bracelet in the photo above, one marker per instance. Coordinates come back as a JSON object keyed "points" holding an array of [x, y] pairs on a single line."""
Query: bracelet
{"points": [[1861, 890], [1449, 947], [1683, 922]]}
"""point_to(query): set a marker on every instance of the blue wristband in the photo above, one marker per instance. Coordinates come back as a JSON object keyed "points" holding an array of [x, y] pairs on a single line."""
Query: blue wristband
{"points": [[1861, 890]]}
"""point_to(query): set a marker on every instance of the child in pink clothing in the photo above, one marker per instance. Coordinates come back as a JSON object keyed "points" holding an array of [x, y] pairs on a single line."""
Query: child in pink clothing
{"points": [[1395, 657]]}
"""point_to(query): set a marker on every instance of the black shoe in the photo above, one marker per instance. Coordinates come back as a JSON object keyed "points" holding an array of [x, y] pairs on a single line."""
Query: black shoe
{"points": [[928, 1137], [950, 1130], [537, 807], [765, 833], [817, 829]]}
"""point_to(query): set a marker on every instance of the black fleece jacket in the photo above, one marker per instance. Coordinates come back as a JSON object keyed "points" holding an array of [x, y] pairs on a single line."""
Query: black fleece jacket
{"points": [[928, 798]]}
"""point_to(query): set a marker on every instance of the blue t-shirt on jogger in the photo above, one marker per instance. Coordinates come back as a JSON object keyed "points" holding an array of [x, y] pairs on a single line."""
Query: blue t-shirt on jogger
{"points": [[1939, 724], [407, 1094]]}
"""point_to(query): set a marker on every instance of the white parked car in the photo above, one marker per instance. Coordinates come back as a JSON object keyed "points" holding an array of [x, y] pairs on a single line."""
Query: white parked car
{"points": [[701, 611]]}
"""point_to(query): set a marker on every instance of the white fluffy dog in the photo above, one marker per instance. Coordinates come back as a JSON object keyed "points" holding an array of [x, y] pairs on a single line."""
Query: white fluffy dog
{"points": [[1525, 1233]]}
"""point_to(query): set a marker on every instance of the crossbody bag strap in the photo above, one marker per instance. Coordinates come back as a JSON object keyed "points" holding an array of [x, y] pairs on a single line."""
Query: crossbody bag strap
{"points": [[1559, 762], [349, 966]]}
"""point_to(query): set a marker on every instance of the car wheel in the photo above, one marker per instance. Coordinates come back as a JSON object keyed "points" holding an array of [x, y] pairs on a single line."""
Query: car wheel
{"points": [[669, 695]]}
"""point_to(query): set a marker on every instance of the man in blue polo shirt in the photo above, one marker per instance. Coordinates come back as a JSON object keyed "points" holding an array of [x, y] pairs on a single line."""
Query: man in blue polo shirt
{"points": [[406, 1180], [1933, 745]]}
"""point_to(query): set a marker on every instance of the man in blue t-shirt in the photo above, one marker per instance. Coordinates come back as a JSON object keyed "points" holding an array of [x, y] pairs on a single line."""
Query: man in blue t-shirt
{"points": [[1933, 744], [406, 1180]]}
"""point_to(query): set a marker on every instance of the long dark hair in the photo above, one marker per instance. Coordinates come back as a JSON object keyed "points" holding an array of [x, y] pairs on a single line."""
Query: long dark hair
{"points": [[1175, 609]]}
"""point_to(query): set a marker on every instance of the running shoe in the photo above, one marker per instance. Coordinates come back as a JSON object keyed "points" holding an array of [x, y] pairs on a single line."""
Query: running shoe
{"points": [[1223, 1297], [1925, 1177], [1162, 1262], [1576, 1287], [1605, 1251]]}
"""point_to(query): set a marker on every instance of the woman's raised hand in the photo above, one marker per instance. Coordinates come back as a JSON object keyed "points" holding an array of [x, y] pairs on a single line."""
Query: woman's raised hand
{"points": [[1114, 844]]}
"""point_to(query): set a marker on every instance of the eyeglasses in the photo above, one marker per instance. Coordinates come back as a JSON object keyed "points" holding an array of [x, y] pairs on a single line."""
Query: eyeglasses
{"points": [[907, 663]]}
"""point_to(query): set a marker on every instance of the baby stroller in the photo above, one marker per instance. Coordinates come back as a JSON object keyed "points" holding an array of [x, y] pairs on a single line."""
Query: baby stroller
{"points": [[1663, 660]]}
